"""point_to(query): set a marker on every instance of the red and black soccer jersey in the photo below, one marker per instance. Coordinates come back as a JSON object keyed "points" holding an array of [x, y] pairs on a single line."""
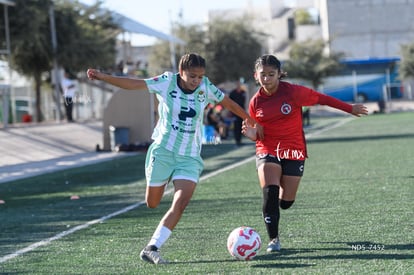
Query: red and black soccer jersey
{"points": [[280, 114]]}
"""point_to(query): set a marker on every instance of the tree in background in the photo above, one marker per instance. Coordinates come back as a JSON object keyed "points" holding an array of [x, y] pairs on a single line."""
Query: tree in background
{"points": [[85, 37], [193, 35], [303, 17], [406, 68], [230, 48], [307, 61]]}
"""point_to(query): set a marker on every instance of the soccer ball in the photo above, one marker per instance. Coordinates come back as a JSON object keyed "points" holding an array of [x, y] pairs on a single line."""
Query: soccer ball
{"points": [[243, 243]]}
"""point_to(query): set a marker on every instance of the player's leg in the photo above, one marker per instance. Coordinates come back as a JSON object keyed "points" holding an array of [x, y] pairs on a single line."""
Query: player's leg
{"points": [[185, 175], [288, 188], [269, 173], [153, 195], [289, 184], [184, 190], [159, 166]]}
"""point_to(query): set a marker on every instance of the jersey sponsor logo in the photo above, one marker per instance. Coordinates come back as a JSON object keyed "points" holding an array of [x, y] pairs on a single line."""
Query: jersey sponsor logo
{"points": [[186, 112], [286, 108], [259, 113], [173, 94], [187, 131]]}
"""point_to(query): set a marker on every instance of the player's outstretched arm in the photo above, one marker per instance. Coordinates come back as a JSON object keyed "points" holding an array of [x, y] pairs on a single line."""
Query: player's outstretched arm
{"points": [[121, 82]]}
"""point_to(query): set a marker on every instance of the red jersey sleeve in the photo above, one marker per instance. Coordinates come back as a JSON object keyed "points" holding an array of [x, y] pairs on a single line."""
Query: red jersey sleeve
{"points": [[310, 97], [334, 103]]}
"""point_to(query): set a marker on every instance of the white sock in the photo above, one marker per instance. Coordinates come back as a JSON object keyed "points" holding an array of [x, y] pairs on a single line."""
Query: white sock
{"points": [[160, 236]]}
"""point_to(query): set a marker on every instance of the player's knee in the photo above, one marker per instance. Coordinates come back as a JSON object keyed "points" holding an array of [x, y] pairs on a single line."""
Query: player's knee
{"points": [[181, 204], [152, 203], [286, 204]]}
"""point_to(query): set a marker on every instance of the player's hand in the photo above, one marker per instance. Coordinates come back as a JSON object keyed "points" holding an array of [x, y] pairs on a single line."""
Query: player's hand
{"points": [[359, 109], [252, 131], [94, 74]]}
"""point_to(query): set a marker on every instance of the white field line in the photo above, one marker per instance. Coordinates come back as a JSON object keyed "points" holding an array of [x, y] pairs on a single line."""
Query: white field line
{"points": [[104, 218], [327, 128], [67, 232], [136, 205]]}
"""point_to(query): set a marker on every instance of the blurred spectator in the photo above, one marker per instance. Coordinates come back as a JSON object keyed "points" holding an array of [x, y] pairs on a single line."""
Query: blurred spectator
{"points": [[119, 68], [214, 119], [306, 115], [239, 96], [69, 89]]}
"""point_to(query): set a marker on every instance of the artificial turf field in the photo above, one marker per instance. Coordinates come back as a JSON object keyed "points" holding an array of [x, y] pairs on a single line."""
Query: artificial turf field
{"points": [[353, 213]]}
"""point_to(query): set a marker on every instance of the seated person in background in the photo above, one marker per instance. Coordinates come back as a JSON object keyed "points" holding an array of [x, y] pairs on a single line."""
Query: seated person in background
{"points": [[214, 119]]}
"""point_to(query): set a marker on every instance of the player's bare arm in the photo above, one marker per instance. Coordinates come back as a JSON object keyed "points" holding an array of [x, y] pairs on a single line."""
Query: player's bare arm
{"points": [[121, 82]]}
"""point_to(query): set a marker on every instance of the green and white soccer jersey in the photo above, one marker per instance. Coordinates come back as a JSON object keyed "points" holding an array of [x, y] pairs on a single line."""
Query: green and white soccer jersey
{"points": [[180, 123]]}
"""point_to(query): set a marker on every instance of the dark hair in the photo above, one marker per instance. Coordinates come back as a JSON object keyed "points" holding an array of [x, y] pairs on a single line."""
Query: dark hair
{"points": [[269, 60], [191, 60]]}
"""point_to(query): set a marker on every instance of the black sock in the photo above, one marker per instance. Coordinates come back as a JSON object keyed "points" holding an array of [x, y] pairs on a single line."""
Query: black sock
{"points": [[286, 204], [271, 213]]}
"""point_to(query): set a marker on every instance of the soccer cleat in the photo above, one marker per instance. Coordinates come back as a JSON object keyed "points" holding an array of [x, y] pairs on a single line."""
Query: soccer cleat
{"points": [[152, 255], [274, 245]]}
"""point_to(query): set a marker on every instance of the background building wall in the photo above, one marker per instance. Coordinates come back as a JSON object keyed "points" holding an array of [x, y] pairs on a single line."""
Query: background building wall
{"points": [[367, 28]]}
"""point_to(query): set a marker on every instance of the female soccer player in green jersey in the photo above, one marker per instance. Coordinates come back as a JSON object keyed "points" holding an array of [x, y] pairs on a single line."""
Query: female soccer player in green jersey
{"points": [[174, 154]]}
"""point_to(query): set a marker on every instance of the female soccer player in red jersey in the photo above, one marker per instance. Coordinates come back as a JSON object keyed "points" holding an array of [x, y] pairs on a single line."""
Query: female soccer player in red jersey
{"points": [[281, 154]]}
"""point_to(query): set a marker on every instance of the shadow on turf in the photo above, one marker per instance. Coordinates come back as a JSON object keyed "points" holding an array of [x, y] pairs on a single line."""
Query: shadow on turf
{"points": [[260, 258], [202, 261], [275, 256]]}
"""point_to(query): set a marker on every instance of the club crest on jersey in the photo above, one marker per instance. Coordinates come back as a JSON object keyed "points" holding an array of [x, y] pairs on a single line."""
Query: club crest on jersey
{"points": [[286, 108], [201, 97]]}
